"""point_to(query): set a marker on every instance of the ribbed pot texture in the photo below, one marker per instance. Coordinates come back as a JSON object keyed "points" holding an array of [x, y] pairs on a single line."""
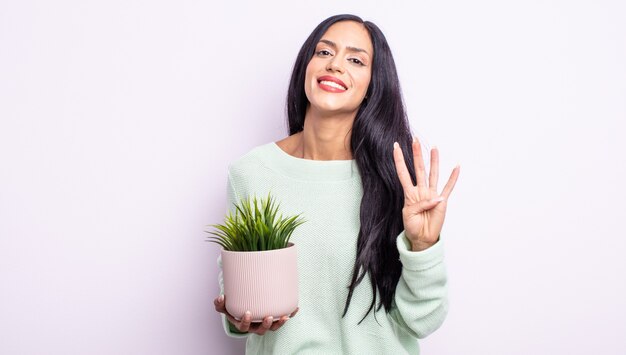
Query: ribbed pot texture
{"points": [[262, 282]]}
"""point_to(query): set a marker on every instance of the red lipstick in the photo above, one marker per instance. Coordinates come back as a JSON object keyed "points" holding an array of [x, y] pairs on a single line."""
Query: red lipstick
{"points": [[330, 88]]}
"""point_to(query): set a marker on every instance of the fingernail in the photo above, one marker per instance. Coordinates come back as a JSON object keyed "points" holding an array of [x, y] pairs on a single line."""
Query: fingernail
{"points": [[438, 199], [395, 145], [220, 299], [287, 318], [414, 139], [271, 319], [247, 314]]}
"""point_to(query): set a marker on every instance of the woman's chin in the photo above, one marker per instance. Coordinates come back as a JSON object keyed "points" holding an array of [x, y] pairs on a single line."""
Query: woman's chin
{"points": [[333, 108]]}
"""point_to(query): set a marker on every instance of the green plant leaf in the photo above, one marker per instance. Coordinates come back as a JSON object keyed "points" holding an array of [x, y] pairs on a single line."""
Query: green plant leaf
{"points": [[253, 226]]}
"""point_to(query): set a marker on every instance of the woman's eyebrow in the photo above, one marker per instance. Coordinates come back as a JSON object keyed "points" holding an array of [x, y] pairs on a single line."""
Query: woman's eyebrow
{"points": [[351, 49]]}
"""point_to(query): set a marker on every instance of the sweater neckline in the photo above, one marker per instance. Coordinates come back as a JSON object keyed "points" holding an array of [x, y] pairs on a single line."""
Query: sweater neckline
{"points": [[308, 169]]}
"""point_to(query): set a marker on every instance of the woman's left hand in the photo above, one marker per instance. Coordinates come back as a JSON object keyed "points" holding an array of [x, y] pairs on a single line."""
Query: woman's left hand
{"points": [[424, 209]]}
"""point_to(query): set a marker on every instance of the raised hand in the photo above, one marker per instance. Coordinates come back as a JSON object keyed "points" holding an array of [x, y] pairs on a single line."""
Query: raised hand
{"points": [[424, 209]]}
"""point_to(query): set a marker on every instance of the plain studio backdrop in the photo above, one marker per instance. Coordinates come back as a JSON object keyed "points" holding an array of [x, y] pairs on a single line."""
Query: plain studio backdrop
{"points": [[118, 120]]}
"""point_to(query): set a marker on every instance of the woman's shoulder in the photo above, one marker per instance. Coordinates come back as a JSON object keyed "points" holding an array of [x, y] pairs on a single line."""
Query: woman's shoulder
{"points": [[261, 155], [286, 145], [252, 157]]}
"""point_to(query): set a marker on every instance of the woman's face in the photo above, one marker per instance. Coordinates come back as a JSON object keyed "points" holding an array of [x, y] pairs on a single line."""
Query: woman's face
{"points": [[339, 73]]}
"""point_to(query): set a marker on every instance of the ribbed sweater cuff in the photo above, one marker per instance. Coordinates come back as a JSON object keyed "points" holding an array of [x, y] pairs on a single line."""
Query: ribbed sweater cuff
{"points": [[418, 260]]}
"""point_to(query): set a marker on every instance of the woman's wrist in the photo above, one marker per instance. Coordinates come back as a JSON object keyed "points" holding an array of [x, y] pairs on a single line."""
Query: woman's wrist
{"points": [[421, 246]]}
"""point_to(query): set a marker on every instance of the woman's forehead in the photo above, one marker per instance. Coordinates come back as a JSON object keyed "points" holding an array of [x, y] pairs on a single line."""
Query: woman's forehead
{"points": [[349, 34]]}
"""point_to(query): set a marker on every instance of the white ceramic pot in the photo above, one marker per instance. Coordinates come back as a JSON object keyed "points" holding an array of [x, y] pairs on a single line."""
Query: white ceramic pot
{"points": [[262, 282]]}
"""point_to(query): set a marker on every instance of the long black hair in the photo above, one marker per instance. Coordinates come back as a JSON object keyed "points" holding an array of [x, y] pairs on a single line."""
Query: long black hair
{"points": [[380, 121]]}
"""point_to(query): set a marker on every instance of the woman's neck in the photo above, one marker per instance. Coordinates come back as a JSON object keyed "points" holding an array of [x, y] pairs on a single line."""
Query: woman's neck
{"points": [[325, 138]]}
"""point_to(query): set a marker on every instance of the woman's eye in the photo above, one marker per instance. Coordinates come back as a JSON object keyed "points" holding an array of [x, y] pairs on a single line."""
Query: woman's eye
{"points": [[323, 52], [356, 61]]}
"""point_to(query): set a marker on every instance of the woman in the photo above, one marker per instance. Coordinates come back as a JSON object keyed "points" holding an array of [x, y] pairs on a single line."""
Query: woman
{"points": [[372, 278]]}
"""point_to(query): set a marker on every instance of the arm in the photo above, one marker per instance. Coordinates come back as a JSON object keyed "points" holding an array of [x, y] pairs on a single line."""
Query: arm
{"points": [[420, 303]]}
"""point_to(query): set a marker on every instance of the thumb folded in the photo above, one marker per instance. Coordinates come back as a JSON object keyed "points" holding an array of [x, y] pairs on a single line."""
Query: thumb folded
{"points": [[425, 205]]}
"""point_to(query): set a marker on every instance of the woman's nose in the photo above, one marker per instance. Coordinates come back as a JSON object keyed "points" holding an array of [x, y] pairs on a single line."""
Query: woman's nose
{"points": [[333, 65]]}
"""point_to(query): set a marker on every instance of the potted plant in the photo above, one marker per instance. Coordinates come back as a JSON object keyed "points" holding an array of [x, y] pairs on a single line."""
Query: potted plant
{"points": [[259, 264]]}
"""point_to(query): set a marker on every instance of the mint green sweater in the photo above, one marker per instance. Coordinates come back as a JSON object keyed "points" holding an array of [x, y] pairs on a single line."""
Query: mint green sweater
{"points": [[328, 193]]}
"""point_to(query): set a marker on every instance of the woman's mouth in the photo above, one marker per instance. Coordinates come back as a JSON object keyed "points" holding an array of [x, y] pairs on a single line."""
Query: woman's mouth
{"points": [[331, 84]]}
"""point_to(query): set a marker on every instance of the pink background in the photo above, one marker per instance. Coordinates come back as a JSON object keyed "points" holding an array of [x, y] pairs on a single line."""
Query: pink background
{"points": [[118, 120]]}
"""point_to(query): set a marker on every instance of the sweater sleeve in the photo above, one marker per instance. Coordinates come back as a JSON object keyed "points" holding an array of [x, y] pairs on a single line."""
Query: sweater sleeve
{"points": [[420, 303], [230, 330]]}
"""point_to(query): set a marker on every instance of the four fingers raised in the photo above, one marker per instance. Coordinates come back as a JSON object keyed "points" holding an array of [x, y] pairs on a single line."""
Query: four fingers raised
{"points": [[420, 171]]}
